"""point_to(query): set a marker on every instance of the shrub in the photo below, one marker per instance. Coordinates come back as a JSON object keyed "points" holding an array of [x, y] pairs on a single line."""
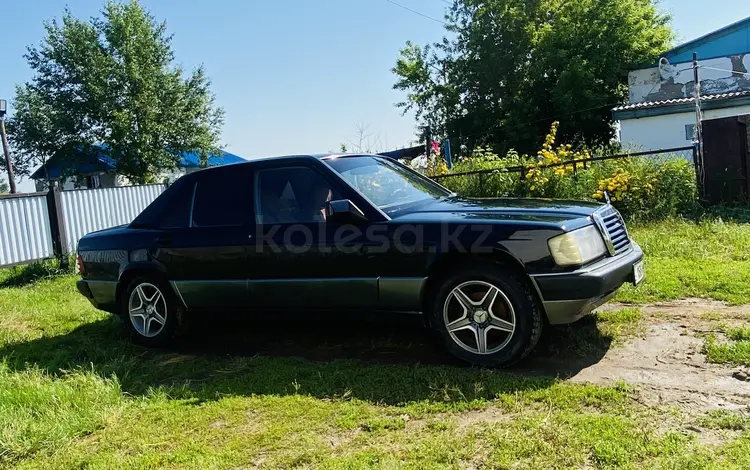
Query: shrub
{"points": [[642, 188], [499, 183], [648, 188]]}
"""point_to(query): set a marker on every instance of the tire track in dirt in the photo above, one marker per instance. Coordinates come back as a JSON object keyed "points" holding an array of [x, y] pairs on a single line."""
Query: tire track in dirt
{"points": [[666, 363]]}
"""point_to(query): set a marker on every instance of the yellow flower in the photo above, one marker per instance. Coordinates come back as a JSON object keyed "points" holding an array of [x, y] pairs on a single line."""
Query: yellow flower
{"points": [[532, 187]]}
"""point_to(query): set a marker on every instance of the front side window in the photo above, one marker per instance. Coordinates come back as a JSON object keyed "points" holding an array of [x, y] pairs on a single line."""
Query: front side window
{"points": [[292, 195], [385, 183], [219, 200]]}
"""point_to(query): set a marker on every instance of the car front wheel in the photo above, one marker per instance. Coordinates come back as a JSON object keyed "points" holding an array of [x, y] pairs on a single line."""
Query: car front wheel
{"points": [[152, 312], [486, 316]]}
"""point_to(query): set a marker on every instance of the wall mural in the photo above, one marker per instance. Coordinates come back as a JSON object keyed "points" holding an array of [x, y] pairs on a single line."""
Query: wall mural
{"points": [[671, 81]]}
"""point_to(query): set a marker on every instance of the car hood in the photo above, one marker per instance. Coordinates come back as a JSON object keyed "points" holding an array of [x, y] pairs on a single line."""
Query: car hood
{"points": [[526, 209]]}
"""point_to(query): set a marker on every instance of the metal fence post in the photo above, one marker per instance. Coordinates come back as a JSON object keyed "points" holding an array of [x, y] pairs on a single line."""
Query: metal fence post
{"points": [[57, 225]]}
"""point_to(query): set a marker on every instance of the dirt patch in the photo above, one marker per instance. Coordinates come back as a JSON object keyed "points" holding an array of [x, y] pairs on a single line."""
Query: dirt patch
{"points": [[16, 325], [692, 310], [666, 362], [488, 415]]}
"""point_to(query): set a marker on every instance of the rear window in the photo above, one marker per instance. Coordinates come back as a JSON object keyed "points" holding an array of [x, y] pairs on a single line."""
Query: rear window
{"points": [[221, 199], [171, 209]]}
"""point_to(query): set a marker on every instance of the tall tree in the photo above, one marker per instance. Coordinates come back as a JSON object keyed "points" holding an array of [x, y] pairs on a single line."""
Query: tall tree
{"points": [[508, 68], [4, 188], [111, 81]]}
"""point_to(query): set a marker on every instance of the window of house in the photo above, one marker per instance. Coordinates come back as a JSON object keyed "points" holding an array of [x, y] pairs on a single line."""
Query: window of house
{"points": [[93, 182], [220, 199], [292, 195]]}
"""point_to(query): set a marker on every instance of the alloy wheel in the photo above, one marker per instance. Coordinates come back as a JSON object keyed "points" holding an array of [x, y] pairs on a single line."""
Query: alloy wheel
{"points": [[479, 317], [147, 309]]}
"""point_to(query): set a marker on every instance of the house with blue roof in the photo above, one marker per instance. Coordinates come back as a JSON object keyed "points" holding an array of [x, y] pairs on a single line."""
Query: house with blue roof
{"points": [[660, 112], [97, 169]]}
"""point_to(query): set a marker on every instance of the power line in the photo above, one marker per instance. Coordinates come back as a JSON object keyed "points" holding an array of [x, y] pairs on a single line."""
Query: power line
{"points": [[447, 2], [417, 13]]}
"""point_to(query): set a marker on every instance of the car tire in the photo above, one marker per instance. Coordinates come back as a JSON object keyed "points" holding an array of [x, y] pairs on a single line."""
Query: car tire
{"points": [[476, 330], [152, 312]]}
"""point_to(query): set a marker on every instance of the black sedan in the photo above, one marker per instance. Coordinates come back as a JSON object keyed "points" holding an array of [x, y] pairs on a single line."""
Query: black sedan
{"points": [[358, 233]]}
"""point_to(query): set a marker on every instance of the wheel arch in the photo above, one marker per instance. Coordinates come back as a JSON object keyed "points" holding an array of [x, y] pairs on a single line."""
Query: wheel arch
{"points": [[138, 269], [448, 262]]}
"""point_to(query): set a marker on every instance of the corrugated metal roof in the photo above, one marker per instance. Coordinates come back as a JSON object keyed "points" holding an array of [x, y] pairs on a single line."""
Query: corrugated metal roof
{"points": [[674, 101]]}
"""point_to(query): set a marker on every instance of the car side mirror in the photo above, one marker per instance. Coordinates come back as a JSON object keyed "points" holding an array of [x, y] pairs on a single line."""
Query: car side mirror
{"points": [[344, 211]]}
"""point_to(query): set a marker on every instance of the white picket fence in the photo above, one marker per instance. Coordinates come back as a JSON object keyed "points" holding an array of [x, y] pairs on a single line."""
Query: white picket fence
{"points": [[25, 234], [25, 224], [88, 210]]}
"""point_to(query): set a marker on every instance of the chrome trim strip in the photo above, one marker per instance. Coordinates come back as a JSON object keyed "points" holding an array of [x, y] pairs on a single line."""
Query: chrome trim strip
{"points": [[192, 203], [599, 221], [179, 294]]}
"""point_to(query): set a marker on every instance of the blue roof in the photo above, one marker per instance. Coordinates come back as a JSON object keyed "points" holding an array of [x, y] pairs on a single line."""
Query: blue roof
{"points": [[98, 161], [192, 159], [732, 39]]}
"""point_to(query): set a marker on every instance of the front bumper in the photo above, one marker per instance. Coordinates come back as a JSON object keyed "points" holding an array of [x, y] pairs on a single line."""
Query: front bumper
{"points": [[566, 297], [101, 294]]}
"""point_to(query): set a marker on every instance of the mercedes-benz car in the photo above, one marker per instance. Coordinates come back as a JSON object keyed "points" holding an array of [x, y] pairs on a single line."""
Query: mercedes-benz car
{"points": [[358, 234]]}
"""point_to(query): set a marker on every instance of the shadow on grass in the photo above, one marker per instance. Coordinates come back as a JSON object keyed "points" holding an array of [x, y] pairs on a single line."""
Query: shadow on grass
{"points": [[381, 363], [738, 213], [20, 276]]}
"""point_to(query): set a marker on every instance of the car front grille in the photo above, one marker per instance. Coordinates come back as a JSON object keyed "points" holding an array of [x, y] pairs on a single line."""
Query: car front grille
{"points": [[612, 223]]}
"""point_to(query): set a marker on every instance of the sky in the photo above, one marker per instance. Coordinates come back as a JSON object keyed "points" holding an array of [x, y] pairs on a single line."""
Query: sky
{"points": [[298, 76]]}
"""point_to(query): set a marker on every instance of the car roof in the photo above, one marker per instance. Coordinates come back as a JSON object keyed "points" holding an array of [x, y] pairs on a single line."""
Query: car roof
{"points": [[315, 156]]}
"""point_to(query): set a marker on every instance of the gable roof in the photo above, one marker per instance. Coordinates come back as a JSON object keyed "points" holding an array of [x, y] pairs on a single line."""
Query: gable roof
{"points": [[683, 52], [99, 161]]}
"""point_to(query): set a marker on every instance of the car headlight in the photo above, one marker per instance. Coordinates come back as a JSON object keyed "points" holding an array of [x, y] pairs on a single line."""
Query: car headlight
{"points": [[577, 247]]}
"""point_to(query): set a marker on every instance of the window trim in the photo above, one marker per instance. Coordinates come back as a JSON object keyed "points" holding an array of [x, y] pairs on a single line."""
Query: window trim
{"points": [[192, 204]]}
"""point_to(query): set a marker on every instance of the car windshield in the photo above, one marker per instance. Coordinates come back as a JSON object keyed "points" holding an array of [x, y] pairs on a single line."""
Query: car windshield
{"points": [[387, 184]]}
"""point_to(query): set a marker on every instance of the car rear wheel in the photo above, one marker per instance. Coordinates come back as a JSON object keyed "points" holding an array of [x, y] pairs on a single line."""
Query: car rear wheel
{"points": [[152, 312], [486, 316]]}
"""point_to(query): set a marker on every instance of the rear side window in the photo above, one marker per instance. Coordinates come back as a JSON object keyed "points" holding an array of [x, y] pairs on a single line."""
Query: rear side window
{"points": [[176, 211], [220, 199], [171, 209]]}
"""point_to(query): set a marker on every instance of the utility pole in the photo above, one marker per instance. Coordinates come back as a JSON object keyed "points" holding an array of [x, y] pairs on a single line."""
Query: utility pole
{"points": [[427, 142], [6, 150], [698, 130]]}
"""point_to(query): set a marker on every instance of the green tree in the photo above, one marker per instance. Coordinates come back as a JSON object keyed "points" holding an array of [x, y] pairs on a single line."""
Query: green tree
{"points": [[4, 188], [112, 81], [508, 68]]}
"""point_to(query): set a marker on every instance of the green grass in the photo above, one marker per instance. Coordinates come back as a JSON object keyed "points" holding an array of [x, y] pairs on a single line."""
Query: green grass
{"points": [[709, 259], [735, 350], [75, 394], [725, 420]]}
